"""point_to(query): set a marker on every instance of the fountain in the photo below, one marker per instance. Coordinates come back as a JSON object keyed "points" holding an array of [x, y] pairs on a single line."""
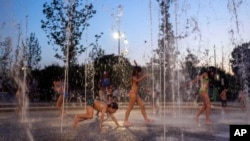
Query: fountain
{"points": [[175, 119]]}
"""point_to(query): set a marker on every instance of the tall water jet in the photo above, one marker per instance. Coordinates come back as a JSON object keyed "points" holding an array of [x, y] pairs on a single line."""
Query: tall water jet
{"points": [[19, 72]]}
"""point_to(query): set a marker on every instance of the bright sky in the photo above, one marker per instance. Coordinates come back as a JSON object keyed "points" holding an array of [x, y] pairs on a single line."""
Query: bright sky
{"points": [[213, 20]]}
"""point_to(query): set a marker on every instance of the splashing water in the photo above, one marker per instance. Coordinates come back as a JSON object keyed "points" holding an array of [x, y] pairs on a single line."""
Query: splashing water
{"points": [[233, 6], [19, 74]]}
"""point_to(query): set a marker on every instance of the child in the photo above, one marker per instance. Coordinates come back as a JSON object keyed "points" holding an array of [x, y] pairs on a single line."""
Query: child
{"points": [[104, 83], [223, 96], [242, 98], [19, 96], [204, 78], [156, 101], [134, 97], [59, 88], [110, 97], [99, 106]]}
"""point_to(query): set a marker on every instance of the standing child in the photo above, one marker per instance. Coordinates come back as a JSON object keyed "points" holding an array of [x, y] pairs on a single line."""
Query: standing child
{"points": [[110, 97], [223, 97], [134, 97], [19, 96], [59, 88], [242, 98], [104, 84]]}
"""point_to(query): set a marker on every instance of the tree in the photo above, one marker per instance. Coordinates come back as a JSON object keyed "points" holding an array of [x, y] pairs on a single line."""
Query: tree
{"points": [[33, 52], [166, 50], [64, 25], [5, 56], [118, 68], [96, 51], [190, 65], [241, 64]]}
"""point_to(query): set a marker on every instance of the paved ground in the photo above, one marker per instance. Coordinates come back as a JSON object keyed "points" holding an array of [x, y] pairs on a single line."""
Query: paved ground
{"points": [[174, 123]]}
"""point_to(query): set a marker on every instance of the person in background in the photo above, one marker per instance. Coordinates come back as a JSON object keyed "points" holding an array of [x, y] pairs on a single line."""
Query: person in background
{"points": [[110, 97], [104, 84], [59, 88], [19, 96], [103, 87], [1, 84], [116, 94], [156, 101], [223, 97], [242, 98]]}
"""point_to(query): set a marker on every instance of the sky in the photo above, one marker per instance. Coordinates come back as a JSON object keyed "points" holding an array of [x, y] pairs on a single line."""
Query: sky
{"points": [[208, 24]]}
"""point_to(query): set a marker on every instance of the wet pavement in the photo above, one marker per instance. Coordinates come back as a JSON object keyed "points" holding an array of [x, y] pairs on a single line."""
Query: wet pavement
{"points": [[174, 123]]}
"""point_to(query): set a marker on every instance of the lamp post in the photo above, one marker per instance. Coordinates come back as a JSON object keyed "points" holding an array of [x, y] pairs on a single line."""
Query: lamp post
{"points": [[119, 42], [118, 36]]}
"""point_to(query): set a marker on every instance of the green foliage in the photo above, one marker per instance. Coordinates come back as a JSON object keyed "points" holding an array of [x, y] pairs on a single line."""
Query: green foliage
{"points": [[5, 56], [33, 52], [190, 65], [241, 65], [64, 25], [166, 51], [46, 76], [96, 50], [118, 68]]}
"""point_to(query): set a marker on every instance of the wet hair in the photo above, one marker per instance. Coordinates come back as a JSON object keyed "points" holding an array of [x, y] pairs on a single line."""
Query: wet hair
{"points": [[211, 69], [208, 70], [56, 79], [136, 69], [113, 105]]}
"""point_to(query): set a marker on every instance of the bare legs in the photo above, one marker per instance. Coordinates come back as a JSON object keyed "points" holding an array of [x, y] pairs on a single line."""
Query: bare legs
{"points": [[20, 104], [59, 103], [205, 107], [134, 98], [81, 117]]}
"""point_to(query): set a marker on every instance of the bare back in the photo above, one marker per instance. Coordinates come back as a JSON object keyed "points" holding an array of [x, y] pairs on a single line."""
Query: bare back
{"points": [[100, 106]]}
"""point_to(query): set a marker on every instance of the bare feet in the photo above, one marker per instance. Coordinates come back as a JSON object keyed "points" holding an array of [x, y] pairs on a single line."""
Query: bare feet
{"points": [[197, 119], [97, 114], [126, 123], [17, 111], [75, 122], [148, 121], [208, 122], [62, 114]]}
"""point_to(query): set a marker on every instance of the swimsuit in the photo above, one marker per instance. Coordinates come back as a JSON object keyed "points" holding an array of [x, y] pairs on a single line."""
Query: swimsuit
{"points": [[65, 94], [105, 82], [90, 102], [223, 103], [204, 83]]}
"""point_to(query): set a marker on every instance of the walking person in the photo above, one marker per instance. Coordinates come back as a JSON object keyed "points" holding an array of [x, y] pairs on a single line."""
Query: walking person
{"points": [[204, 79], [134, 97]]}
